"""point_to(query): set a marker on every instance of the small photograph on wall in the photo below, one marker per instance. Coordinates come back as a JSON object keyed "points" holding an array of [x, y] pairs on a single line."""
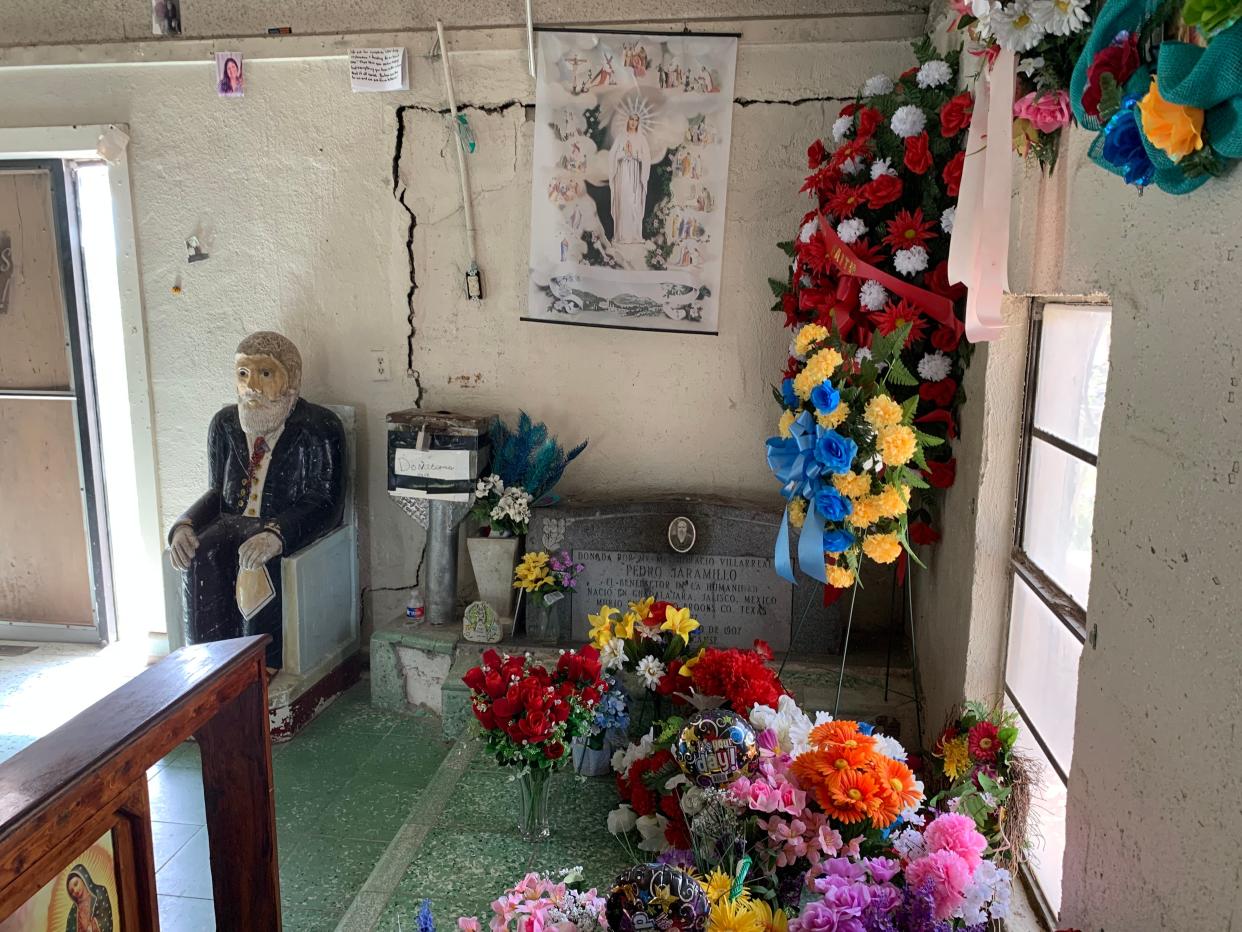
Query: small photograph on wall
{"points": [[631, 166], [229, 78], [166, 17], [81, 898]]}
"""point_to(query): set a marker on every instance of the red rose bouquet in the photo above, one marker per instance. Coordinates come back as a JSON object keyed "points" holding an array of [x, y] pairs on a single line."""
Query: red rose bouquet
{"points": [[528, 713]]}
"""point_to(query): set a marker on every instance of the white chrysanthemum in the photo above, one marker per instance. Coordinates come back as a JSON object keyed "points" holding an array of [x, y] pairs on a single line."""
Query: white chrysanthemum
{"points": [[623, 819], [850, 230], [1028, 66], [889, 747], [808, 230], [872, 295], [612, 656], [1061, 17], [947, 218], [935, 367], [650, 670], [933, 74], [841, 128], [881, 167], [1014, 26], [908, 121], [877, 86], [910, 261], [853, 165]]}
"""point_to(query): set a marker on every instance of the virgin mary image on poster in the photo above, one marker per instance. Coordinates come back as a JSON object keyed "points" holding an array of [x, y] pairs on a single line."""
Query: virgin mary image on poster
{"points": [[81, 898], [629, 167]]}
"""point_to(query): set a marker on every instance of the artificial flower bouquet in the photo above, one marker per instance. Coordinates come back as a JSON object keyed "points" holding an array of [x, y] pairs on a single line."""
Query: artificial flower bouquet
{"points": [[981, 773], [528, 713], [848, 454], [539, 901], [541, 574], [1046, 37], [1158, 83], [869, 260], [652, 641], [527, 462]]}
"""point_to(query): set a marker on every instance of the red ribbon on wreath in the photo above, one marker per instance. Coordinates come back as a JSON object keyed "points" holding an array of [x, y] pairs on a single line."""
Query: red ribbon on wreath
{"points": [[845, 260]]}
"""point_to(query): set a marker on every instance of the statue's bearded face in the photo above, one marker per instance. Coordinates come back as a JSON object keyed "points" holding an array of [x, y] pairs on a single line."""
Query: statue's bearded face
{"points": [[264, 398]]}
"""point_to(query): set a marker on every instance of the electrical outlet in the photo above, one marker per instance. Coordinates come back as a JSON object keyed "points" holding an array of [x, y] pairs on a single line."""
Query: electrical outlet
{"points": [[382, 373]]}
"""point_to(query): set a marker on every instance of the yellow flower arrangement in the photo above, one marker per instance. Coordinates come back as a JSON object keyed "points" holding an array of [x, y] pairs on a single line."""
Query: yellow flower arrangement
{"points": [[624, 628], [852, 484], [783, 425], [835, 418], [839, 577], [678, 621], [890, 503], [882, 412], [896, 445], [819, 367], [1174, 129], [733, 916], [807, 337], [770, 920], [882, 548], [601, 625], [717, 885], [956, 757], [797, 511], [642, 608], [864, 513], [532, 573], [687, 668]]}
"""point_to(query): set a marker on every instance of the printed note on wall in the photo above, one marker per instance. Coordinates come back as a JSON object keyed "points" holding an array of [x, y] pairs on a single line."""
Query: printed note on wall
{"points": [[378, 70]]}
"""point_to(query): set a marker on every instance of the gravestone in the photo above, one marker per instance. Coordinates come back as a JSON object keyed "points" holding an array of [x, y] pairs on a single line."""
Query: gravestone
{"points": [[718, 561]]}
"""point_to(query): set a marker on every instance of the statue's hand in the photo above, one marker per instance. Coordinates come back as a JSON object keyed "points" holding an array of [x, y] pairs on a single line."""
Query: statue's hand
{"points": [[183, 547], [257, 550]]}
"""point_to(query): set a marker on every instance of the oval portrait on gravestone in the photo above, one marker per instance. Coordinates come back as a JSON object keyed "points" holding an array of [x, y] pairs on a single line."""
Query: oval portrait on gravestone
{"points": [[681, 534]]}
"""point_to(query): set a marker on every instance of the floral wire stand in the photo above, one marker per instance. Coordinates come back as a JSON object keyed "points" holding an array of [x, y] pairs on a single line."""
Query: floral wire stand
{"points": [[845, 650]]}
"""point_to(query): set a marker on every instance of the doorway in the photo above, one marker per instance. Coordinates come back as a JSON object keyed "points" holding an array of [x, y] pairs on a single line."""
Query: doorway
{"points": [[54, 575]]}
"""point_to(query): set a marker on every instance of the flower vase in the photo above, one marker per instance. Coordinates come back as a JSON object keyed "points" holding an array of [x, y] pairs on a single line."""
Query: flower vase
{"points": [[533, 786], [493, 560], [589, 761], [547, 618]]}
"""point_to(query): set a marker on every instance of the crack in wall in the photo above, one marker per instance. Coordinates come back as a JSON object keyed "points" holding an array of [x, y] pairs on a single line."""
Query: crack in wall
{"points": [[399, 192]]}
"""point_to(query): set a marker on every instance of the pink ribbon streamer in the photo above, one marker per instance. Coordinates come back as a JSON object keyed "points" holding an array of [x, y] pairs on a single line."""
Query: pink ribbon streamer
{"points": [[979, 249]]}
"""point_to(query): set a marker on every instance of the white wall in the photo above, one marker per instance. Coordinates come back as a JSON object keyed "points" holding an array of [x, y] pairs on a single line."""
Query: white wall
{"points": [[291, 190], [1155, 777]]}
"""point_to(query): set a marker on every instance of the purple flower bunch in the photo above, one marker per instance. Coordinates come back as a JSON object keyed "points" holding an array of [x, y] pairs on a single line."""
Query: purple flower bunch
{"points": [[564, 571]]}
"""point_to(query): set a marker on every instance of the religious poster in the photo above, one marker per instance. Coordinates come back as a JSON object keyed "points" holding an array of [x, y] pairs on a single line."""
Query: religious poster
{"points": [[81, 898], [631, 165]]}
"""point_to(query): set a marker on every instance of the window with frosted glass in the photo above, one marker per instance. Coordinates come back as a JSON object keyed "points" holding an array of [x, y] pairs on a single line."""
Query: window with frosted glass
{"points": [[1067, 372]]}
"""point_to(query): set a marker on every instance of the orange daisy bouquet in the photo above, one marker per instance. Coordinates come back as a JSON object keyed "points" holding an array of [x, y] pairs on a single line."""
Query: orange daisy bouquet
{"points": [[850, 777]]}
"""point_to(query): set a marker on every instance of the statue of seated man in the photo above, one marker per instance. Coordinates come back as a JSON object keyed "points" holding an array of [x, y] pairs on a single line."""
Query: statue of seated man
{"points": [[276, 483]]}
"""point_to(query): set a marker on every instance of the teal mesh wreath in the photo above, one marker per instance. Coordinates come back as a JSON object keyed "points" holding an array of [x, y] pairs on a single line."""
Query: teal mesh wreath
{"points": [[1208, 78]]}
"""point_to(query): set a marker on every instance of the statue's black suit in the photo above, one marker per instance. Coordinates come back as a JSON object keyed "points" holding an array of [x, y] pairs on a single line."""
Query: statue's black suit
{"points": [[303, 497]]}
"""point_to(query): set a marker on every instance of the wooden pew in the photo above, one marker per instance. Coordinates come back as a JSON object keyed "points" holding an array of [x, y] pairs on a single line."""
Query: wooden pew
{"points": [[88, 778]]}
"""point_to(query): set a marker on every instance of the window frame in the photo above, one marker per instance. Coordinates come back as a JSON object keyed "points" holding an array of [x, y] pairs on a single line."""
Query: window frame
{"points": [[1023, 569]]}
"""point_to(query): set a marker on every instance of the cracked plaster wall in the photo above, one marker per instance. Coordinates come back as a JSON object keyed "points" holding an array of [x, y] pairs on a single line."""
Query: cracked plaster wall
{"points": [[292, 191]]}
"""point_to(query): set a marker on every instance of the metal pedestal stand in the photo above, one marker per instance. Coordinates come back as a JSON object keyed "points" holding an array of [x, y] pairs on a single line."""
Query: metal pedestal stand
{"points": [[442, 521]]}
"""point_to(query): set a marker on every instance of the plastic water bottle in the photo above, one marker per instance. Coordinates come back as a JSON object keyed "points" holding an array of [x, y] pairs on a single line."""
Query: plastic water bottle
{"points": [[414, 609]]}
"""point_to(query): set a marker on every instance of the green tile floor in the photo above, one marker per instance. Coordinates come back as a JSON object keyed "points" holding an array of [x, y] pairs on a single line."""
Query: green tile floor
{"points": [[375, 811]]}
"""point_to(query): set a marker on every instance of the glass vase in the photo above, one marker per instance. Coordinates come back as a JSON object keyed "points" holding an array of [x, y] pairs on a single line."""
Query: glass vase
{"points": [[547, 618], [533, 788]]}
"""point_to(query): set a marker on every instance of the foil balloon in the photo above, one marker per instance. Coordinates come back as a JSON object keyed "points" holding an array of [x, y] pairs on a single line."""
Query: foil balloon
{"points": [[660, 897], [716, 747]]}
